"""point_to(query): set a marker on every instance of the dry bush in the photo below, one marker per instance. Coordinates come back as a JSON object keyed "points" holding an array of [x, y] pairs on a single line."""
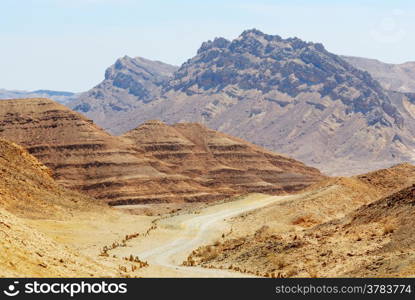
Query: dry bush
{"points": [[312, 272], [278, 260], [291, 273], [304, 221], [389, 227]]}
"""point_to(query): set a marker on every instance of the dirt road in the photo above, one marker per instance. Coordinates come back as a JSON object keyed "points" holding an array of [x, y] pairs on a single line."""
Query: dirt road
{"points": [[175, 238]]}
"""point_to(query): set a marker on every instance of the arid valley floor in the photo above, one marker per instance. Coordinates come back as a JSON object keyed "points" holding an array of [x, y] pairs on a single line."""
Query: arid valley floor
{"points": [[344, 226]]}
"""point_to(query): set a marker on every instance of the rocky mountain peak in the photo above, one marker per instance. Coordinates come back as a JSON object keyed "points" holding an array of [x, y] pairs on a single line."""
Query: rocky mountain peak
{"points": [[285, 94], [269, 63], [128, 82], [219, 43], [252, 32]]}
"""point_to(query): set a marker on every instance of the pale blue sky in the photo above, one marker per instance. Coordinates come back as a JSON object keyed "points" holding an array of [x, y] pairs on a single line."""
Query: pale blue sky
{"points": [[68, 44]]}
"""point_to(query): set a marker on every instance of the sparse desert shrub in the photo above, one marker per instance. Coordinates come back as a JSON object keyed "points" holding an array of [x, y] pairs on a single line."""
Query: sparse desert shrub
{"points": [[277, 275], [130, 236], [277, 260], [190, 262], [208, 253], [291, 272], [312, 272], [136, 259], [104, 252], [122, 268], [388, 227]]}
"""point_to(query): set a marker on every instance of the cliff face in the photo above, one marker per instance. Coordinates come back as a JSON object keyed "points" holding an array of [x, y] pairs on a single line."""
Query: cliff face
{"points": [[122, 170]]}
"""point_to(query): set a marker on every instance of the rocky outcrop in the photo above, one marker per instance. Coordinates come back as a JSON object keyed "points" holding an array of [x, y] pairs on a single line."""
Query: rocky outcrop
{"points": [[221, 162], [121, 170]]}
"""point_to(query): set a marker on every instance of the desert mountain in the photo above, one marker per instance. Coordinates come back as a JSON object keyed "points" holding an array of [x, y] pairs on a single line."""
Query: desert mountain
{"points": [[286, 95], [58, 96], [127, 83], [120, 170], [373, 240], [394, 77], [219, 161], [28, 191]]}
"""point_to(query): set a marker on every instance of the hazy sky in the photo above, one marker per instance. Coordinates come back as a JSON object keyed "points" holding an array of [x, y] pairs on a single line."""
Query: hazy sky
{"points": [[68, 44]]}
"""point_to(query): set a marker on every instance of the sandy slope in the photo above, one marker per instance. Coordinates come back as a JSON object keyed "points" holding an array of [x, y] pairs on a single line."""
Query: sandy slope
{"points": [[169, 245], [27, 252], [326, 231]]}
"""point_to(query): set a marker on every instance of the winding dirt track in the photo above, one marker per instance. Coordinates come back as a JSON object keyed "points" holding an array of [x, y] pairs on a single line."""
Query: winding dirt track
{"points": [[176, 237]]}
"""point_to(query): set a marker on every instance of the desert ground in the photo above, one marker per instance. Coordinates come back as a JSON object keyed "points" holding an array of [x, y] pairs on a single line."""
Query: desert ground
{"points": [[308, 234], [359, 226], [164, 241]]}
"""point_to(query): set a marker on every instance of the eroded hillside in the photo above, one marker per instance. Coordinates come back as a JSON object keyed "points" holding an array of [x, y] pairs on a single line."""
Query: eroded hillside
{"points": [[221, 162], [119, 170], [28, 191], [284, 94]]}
